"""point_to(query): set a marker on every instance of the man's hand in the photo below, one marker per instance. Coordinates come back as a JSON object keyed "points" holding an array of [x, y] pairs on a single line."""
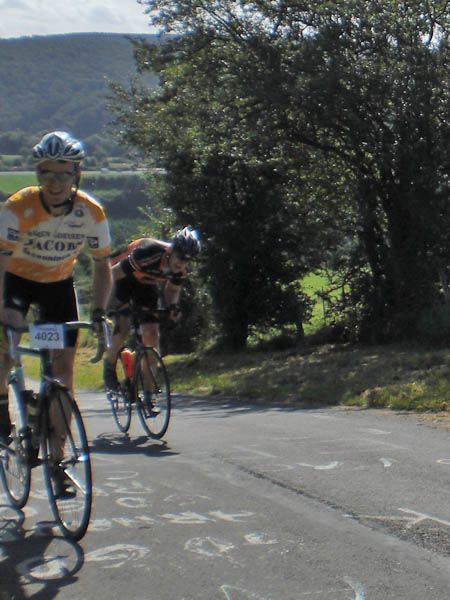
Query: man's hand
{"points": [[98, 318]]}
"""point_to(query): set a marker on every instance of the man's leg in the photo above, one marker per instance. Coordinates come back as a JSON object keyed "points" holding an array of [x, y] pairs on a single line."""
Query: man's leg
{"points": [[13, 318], [150, 337], [121, 329]]}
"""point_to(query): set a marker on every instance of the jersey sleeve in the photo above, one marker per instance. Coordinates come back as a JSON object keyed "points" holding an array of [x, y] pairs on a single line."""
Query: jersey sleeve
{"points": [[9, 229], [99, 238]]}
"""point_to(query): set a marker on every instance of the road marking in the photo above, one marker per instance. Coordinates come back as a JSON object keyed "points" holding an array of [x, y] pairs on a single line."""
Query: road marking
{"points": [[356, 587], [208, 546], [133, 487], [121, 475], [232, 592], [326, 467], [259, 539], [415, 518], [422, 517], [121, 553], [377, 431], [43, 568], [231, 517], [187, 518], [132, 502], [326, 417]]}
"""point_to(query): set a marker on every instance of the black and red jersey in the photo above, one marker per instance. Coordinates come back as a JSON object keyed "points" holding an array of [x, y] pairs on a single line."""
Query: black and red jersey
{"points": [[149, 261]]}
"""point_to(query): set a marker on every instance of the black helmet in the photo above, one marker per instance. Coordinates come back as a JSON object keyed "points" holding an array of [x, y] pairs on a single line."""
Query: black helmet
{"points": [[186, 243]]}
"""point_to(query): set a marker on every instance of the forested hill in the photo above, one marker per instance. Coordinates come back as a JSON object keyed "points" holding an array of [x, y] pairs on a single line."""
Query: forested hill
{"points": [[61, 81]]}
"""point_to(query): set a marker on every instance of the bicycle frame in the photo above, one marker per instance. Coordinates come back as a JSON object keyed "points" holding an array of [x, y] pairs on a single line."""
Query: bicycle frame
{"points": [[58, 431]]}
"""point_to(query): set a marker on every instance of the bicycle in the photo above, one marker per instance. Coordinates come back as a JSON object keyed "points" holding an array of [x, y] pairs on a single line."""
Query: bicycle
{"points": [[143, 382], [48, 422]]}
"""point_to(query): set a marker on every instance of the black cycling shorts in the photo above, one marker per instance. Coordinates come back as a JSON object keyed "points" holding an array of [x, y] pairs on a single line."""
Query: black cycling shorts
{"points": [[143, 297], [56, 301]]}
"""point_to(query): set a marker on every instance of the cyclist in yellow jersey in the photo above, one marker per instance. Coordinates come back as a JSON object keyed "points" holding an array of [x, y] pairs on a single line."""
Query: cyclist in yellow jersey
{"points": [[42, 230]]}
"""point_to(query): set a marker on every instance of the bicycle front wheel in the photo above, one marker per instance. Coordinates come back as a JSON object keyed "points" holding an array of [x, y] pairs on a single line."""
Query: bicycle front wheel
{"points": [[67, 464], [120, 399], [152, 393], [15, 468]]}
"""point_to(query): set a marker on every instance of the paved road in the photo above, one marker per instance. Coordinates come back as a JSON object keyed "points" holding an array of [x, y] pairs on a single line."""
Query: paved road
{"points": [[247, 503]]}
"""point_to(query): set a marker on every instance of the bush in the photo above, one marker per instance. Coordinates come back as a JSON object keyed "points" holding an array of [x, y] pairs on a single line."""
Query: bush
{"points": [[434, 325]]}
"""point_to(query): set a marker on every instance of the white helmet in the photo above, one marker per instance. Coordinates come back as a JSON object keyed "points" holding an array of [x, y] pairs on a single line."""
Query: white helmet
{"points": [[58, 145]]}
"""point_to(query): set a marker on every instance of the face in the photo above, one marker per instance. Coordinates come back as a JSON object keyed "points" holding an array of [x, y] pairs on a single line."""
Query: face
{"points": [[178, 265], [56, 180]]}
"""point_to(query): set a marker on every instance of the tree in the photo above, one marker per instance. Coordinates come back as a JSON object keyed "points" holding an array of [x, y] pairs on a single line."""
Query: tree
{"points": [[222, 176], [259, 99]]}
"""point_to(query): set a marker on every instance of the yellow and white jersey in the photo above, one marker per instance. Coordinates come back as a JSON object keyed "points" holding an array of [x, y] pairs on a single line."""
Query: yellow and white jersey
{"points": [[43, 247]]}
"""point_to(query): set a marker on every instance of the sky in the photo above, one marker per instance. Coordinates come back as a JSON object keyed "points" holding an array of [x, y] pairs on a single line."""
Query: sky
{"points": [[47, 17]]}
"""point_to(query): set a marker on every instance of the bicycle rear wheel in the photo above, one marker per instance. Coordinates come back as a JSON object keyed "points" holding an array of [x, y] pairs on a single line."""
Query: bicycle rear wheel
{"points": [[67, 464], [120, 399], [15, 469], [152, 393]]}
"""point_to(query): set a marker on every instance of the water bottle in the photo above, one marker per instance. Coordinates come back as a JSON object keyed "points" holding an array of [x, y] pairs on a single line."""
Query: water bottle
{"points": [[128, 362]]}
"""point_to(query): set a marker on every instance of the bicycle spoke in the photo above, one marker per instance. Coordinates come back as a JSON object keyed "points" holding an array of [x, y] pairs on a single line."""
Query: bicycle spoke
{"points": [[120, 399], [67, 465], [152, 393], [15, 469]]}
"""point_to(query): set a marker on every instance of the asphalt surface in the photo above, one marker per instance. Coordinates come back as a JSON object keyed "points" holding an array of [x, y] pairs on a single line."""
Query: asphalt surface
{"points": [[242, 502]]}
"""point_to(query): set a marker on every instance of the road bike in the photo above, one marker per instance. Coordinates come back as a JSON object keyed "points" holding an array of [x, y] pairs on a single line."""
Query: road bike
{"points": [[50, 423], [143, 382]]}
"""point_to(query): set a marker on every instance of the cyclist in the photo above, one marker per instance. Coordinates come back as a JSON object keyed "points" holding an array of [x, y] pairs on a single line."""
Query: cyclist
{"points": [[147, 273], [42, 230]]}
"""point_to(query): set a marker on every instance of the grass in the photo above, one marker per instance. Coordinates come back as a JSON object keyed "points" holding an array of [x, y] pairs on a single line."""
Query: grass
{"points": [[12, 181], [393, 377]]}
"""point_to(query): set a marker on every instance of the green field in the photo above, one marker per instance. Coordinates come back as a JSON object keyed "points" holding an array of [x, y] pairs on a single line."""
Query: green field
{"points": [[11, 181]]}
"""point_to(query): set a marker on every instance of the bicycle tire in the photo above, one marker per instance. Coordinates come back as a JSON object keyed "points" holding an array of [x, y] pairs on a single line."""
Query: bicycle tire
{"points": [[15, 468], [73, 460], [154, 426], [120, 400]]}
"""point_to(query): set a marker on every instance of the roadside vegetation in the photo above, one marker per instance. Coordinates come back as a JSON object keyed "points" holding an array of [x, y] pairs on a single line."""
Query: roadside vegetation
{"points": [[310, 149], [395, 377]]}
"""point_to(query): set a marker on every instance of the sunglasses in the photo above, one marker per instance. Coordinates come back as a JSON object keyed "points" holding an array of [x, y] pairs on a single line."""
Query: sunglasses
{"points": [[51, 176]]}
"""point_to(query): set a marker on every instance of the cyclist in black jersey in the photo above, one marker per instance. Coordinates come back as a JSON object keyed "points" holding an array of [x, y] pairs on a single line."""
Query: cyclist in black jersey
{"points": [[148, 273]]}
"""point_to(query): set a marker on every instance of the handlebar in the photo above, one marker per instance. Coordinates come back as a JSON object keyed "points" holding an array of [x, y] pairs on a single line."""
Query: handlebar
{"points": [[103, 340], [136, 312]]}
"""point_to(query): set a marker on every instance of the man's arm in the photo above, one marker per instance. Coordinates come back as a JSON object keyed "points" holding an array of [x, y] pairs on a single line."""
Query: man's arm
{"points": [[172, 296], [117, 272], [102, 284], [4, 259], [7, 315], [172, 293]]}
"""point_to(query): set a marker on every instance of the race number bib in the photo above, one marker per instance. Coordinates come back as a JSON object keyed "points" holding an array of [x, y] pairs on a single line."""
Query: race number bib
{"points": [[49, 335]]}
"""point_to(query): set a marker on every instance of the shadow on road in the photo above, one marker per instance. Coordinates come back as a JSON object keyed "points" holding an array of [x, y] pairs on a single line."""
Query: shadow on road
{"points": [[227, 407], [120, 443], [34, 563]]}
